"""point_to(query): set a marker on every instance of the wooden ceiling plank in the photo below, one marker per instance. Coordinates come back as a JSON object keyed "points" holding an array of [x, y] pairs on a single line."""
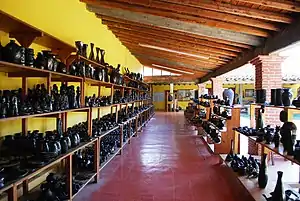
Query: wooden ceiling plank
{"points": [[170, 10], [193, 19], [170, 55], [187, 61], [235, 10], [144, 63], [124, 24], [165, 62], [173, 24], [212, 59], [169, 42], [279, 4], [129, 42], [154, 34]]}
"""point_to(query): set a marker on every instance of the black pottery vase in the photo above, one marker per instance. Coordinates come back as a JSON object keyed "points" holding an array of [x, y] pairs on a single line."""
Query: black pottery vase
{"points": [[287, 97], [102, 54], [278, 97], [263, 175], [278, 192], [273, 97], [276, 138], [97, 54], [259, 120], [79, 46], [92, 55], [229, 156], [84, 50]]}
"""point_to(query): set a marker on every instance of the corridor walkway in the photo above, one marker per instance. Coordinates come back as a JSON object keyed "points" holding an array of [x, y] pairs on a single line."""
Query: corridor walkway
{"points": [[167, 162]]}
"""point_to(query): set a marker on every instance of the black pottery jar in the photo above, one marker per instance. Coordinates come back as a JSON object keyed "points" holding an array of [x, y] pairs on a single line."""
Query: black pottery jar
{"points": [[263, 175], [273, 97], [278, 97], [102, 54], [97, 54], [29, 57], [287, 97], [14, 53], [288, 137]]}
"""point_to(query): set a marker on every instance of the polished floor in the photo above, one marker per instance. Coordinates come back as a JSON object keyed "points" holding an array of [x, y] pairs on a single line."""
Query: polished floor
{"points": [[166, 162]]}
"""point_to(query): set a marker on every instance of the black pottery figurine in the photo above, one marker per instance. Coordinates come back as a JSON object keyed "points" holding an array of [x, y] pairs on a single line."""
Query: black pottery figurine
{"points": [[14, 53], [276, 138], [102, 54], [288, 137], [97, 54]]}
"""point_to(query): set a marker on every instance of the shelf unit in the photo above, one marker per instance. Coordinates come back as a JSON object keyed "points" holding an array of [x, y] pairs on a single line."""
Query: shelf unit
{"points": [[26, 35]]}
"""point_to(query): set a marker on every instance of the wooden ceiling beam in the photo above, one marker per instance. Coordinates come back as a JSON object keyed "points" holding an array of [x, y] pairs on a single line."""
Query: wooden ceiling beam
{"points": [[191, 21], [171, 43], [187, 61], [170, 55], [127, 25], [172, 24], [165, 62], [175, 11], [213, 62], [133, 43], [170, 79], [287, 37], [175, 69], [235, 10], [279, 4], [162, 35]]}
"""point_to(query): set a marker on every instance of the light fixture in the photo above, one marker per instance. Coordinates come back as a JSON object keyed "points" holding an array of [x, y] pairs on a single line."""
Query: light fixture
{"points": [[181, 71], [173, 51]]}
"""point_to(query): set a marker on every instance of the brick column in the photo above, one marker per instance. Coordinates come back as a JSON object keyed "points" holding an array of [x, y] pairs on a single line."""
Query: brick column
{"points": [[268, 76], [217, 86], [201, 89]]}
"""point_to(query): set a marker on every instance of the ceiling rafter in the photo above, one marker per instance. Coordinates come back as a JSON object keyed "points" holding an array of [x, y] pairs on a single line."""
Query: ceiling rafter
{"points": [[170, 55], [279, 4], [235, 10], [189, 14], [172, 24], [124, 24], [162, 35], [169, 43]]}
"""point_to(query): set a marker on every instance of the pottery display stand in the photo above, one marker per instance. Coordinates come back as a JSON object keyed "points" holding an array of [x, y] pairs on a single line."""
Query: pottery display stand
{"points": [[26, 35], [266, 148]]}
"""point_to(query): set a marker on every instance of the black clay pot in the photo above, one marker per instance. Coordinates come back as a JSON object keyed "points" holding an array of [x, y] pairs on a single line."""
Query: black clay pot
{"points": [[84, 50], [278, 97], [297, 151], [287, 97], [296, 102], [97, 54], [79, 46], [273, 97], [287, 137], [283, 116], [29, 57], [64, 145], [40, 61], [14, 53], [263, 175], [61, 67]]}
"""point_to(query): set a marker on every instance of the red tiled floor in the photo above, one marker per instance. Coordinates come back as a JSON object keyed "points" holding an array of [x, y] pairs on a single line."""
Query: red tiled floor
{"points": [[167, 162]]}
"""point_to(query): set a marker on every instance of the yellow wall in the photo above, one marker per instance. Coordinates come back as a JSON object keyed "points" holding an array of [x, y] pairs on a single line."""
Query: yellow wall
{"points": [[162, 88], [69, 21]]}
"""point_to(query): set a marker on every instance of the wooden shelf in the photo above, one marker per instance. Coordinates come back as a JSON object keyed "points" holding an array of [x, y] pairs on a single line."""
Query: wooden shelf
{"points": [[86, 182], [27, 34], [85, 109], [76, 57], [272, 148], [140, 82], [108, 132], [16, 70]]}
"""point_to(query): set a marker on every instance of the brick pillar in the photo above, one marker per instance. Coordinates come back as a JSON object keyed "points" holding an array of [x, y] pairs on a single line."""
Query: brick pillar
{"points": [[217, 86], [268, 76], [201, 89]]}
